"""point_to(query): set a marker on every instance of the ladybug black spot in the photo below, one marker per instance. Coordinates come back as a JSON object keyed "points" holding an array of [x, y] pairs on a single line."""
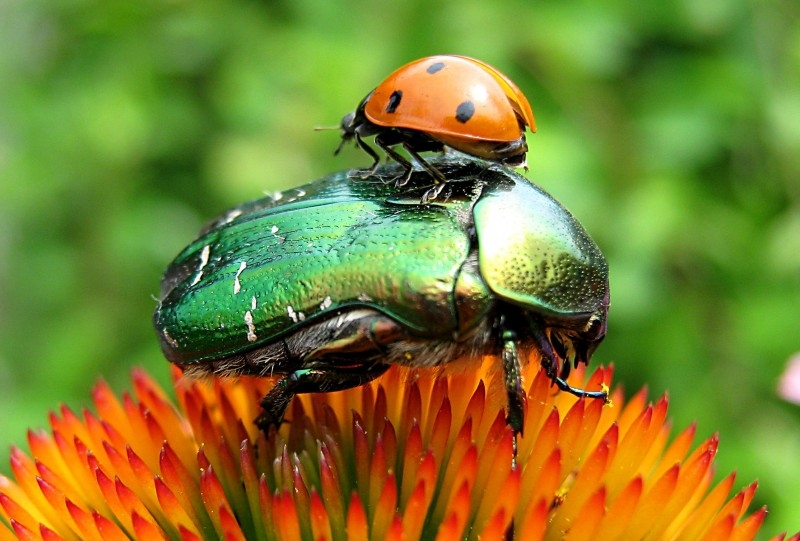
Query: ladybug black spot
{"points": [[465, 111], [394, 101], [436, 66]]}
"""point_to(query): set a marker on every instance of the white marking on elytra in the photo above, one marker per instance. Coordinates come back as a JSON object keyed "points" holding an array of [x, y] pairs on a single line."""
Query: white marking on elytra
{"points": [[237, 285], [205, 254], [253, 303], [277, 196], [274, 231], [251, 328], [291, 312], [231, 216], [326, 303]]}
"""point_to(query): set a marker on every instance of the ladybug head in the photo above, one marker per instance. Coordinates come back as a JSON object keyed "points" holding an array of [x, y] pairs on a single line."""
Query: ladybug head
{"points": [[355, 124], [348, 127]]}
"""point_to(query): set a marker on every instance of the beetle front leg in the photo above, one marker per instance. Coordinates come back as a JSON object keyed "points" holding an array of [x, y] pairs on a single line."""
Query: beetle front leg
{"points": [[550, 365], [580, 393], [312, 380]]}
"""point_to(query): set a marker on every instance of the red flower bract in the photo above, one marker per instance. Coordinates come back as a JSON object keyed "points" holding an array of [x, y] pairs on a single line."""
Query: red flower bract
{"points": [[415, 454]]}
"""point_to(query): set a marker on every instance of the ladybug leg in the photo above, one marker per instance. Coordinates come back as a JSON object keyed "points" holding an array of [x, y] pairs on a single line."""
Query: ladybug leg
{"points": [[386, 140], [345, 139], [433, 193], [438, 177], [376, 160]]}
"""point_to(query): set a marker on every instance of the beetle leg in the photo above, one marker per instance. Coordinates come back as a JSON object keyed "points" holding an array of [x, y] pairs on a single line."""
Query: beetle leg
{"points": [[329, 378], [513, 382], [365, 335], [580, 393], [349, 357], [550, 365]]}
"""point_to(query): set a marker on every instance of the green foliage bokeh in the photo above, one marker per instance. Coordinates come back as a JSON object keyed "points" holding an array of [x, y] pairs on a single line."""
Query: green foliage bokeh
{"points": [[671, 129]]}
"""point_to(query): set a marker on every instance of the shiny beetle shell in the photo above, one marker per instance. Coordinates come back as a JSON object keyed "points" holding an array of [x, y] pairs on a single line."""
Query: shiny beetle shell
{"points": [[329, 284]]}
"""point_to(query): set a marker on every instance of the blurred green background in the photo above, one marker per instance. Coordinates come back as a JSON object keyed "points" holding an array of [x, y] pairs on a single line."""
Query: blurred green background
{"points": [[671, 129]]}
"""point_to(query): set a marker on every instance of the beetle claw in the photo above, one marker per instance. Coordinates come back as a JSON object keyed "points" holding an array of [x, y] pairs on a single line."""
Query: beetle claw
{"points": [[582, 393]]}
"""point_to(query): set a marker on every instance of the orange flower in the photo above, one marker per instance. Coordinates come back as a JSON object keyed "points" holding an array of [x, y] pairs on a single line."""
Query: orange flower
{"points": [[412, 455]]}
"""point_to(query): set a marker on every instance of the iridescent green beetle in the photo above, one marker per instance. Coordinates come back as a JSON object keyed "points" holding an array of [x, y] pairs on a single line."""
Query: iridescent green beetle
{"points": [[329, 284]]}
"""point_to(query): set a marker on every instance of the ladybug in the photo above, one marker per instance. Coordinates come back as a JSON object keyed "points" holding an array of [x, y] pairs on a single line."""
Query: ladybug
{"points": [[439, 101]]}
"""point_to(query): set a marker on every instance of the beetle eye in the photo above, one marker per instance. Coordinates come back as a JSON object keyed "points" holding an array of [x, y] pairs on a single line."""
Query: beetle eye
{"points": [[594, 327]]}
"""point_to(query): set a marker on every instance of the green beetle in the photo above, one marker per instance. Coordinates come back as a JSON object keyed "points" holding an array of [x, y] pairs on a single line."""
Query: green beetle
{"points": [[329, 284]]}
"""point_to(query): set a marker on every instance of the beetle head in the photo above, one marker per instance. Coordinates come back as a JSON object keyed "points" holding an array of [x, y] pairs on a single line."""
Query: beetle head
{"points": [[576, 344]]}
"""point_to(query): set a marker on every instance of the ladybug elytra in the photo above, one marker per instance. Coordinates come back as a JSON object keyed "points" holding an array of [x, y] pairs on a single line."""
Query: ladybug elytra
{"points": [[439, 101]]}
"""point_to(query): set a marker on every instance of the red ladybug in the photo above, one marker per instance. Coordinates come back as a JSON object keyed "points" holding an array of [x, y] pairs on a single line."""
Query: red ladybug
{"points": [[450, 100]]}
